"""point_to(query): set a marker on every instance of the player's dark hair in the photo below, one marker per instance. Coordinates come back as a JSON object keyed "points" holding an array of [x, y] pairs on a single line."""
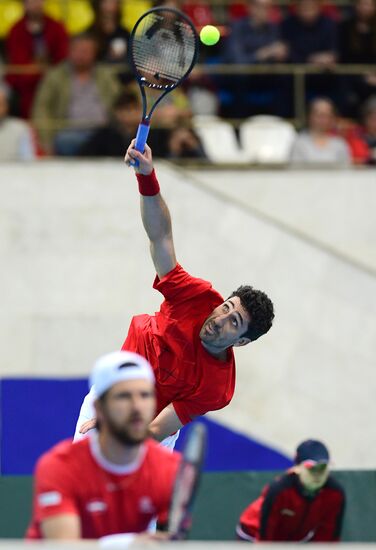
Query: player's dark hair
{"points": [[259, 308]]}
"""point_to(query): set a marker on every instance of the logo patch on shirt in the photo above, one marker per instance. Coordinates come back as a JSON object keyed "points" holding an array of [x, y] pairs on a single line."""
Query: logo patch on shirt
{"points": [[52, 498], [146, 506], [96, 506], [287, 512]]}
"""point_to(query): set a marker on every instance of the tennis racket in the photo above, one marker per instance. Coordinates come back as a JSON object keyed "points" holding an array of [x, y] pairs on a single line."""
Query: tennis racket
{"points": [[163, 48], [187, 482]]}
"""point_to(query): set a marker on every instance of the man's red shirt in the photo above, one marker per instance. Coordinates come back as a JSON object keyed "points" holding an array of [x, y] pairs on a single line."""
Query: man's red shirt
{"points": [[187, 376], [74, 478]]}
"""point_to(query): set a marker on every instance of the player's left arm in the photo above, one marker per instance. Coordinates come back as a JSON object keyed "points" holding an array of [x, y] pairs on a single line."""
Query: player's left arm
{"points": [[62, 526], [165, 424]]}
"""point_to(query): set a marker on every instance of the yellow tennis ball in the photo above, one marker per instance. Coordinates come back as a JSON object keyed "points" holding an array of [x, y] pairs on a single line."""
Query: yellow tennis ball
{"points": [[209, 35]]}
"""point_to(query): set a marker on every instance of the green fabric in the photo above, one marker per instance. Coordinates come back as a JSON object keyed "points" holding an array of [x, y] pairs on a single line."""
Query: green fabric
{"points": [[221, 499]]}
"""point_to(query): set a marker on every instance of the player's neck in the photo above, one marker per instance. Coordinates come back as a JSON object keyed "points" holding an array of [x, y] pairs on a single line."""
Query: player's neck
{"points": [[220, 354], [116, 452]]}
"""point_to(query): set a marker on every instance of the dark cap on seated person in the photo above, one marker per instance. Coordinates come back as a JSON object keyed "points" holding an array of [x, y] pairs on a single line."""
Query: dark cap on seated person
{"points": [[312, 452]]}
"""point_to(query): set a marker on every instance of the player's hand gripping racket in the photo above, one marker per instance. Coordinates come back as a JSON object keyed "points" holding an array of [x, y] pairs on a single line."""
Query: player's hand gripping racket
{"points": [[187, 481], [163, 49]]}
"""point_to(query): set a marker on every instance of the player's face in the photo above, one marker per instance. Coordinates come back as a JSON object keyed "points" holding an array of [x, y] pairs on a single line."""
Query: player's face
{"points": [[127, 411], [225, 326], [313, 478]]}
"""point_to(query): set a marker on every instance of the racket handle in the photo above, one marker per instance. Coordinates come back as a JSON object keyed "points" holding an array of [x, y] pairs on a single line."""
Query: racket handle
{"points": [[141, 139]]}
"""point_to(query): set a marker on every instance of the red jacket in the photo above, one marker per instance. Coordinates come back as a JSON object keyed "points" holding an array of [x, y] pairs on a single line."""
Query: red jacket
{"points": [[19, 48], [284, 512]]}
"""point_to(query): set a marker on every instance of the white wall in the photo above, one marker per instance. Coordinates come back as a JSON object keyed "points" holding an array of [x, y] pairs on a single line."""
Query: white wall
{"points": [[75, 268]]}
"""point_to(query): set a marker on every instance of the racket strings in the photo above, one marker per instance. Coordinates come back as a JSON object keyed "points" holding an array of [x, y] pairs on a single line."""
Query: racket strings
{"points": [[163, 50]]}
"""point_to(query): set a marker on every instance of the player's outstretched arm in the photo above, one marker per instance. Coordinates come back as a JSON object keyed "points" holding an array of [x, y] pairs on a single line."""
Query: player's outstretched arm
{"points": [[165, 424], [154, 212]]}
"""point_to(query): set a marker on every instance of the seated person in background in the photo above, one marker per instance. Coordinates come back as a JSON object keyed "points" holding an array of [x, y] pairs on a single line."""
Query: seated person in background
{"points": [[112, 38], [117, 479], [312, 38], [183, 143], [357, 44], [369, 127], [33, 41], [318, 145], [304, 504], [310, 35], [74, 98], [16, 141], [111, 140], [253, 39], [357, 34]]}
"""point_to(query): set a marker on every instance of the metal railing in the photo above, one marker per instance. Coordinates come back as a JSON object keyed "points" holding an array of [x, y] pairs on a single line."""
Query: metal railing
{"points": [[299, 72]]}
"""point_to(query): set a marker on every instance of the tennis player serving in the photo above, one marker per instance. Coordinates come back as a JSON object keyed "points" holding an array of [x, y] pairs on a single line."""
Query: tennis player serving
{"points": [[190, 341]]}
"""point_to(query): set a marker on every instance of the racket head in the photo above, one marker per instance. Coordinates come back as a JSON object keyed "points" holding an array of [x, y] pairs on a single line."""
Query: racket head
{"points": [[187, 482], [163, 48]]}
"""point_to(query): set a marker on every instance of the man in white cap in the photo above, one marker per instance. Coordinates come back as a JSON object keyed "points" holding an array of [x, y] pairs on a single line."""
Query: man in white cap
{"points": [[116, 480]]}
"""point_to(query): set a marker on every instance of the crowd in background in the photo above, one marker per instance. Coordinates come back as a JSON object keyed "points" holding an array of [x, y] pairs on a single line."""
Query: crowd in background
{"points": [[74, 95]]}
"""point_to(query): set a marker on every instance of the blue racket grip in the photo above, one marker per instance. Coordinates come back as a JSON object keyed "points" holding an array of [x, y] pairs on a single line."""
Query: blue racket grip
{"points": [[141, 139]]}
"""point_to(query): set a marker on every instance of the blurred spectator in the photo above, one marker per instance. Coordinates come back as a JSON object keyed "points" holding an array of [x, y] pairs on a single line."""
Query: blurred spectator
{"points": [[312, 38], [112, 38], [358, 34], [352, 134], [369, 127], [306, 504], [201, 13], [16, 142], [74, 98], [253, 39], [358, 45], [183, 143], [318, 145], [237, 10], [113, 139], [310, 35], [34, 41], [174, 109]]}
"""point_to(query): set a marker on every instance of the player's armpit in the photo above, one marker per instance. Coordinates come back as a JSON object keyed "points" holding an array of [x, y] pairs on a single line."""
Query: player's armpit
{"points": [[63, 526], [165, 424]]}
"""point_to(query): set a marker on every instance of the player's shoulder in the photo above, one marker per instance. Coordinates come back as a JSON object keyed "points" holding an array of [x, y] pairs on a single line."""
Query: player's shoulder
{"points": [[284, 482], [64, 452]]}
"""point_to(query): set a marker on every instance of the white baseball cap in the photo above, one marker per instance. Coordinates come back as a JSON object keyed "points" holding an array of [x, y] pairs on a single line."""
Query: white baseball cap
{"points": [[119, 366]]}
